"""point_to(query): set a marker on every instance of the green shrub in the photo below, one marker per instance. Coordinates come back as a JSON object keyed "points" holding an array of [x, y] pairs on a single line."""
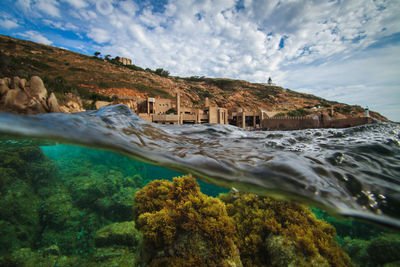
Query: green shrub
{"points": [[134, 67], [60, 86], [171, 111], [89, 106], [195, 78], [344, 110], [162, 72], [300, 112], [224, 84], [24, 67], [280, 115], [57, 85], [76, 69], [201, 92]]}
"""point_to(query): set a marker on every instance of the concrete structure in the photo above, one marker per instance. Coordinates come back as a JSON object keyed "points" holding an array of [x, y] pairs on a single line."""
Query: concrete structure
{"points": [[159, 110], [299, 123], [124, 60], [168, 111], [246, 119]]}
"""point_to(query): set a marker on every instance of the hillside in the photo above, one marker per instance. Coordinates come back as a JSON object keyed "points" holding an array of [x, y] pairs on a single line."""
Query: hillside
{"points": [[93, 78]]}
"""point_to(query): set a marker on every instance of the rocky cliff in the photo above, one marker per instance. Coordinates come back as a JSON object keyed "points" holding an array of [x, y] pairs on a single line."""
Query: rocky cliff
{"points": [[31, 97], [22, 96]]}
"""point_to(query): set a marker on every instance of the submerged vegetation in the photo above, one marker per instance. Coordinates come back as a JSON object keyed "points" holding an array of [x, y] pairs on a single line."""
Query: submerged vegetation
{"points": [[183, 227], [71, 206], [278, 233]]}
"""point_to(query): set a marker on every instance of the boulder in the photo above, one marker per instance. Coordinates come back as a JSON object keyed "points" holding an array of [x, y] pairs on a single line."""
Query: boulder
{"points": [[53, 103], [15, 83], [19, 96], [36, 106], [15, 99], [112, 257], [36, 88], [4, 86], [22, 83], [123, 234]]}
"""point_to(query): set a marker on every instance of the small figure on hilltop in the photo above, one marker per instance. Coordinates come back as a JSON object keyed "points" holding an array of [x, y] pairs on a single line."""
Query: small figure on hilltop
{"points": [[269, 81]]}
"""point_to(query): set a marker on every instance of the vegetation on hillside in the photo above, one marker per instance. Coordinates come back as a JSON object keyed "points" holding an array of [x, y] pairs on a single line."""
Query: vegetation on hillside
{"points": [[65, 71]]}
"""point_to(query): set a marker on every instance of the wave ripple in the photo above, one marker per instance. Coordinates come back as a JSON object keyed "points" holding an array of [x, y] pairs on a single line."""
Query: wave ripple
{"points": [[352, 172]]}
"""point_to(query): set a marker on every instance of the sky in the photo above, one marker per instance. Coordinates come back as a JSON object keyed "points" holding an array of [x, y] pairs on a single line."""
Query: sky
{"points": [[342, 50]]}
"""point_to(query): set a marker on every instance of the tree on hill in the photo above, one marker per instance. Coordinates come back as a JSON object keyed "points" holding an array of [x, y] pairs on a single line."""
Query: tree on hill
{"points": [[162, 72], [97, 53]]}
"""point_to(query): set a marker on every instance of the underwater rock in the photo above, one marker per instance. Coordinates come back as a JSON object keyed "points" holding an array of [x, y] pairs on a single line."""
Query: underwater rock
{"points": [[58, 208], [52, 250], [183, 227], [123, 234], [379, 251], [106, 257], [282, 252], [276, 233], [27, 257], [48, 257], [111, 196], [19, 203], [64, 224], [19, 211]]}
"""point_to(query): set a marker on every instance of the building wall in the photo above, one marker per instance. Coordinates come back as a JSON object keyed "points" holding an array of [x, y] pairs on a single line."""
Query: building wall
{"points": [[298, 123], [146, 117], [212, 114], [290, 123], [125, 61], [344, 123], [165, 119], [162, 105]]}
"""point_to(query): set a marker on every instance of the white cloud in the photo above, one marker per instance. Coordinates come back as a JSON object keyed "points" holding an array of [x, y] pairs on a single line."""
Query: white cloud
{"points": [[77, 3], [370, 78], [129, 7], [60, 25], [105, 7], [25, 5], [36, 37], [99, 35], [36, 8], [8, 24], [48, 7]]}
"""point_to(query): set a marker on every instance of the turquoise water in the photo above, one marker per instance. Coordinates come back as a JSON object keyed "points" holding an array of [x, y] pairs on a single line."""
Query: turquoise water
{"points": [[69, 157]]}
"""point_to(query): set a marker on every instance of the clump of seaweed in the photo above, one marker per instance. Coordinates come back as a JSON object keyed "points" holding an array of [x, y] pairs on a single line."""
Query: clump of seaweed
{"points": [[183, 227], [380, 250], [278, 233], [22, 173]]}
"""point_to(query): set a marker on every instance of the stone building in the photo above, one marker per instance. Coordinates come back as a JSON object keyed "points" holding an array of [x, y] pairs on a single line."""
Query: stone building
{"points": [[125, 61], [167, 111], [246, 119]]}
